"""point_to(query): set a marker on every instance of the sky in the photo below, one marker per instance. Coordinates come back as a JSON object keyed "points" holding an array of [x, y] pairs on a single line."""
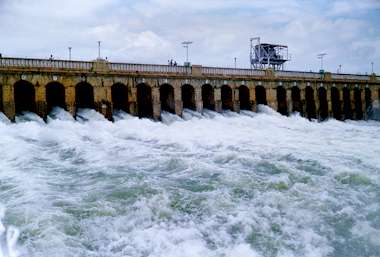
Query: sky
{"points": [[151, 31]]}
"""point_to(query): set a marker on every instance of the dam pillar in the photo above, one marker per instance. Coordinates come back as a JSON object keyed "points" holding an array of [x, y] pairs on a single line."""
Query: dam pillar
{"points": [[41, 105], [329, 102], [178, 103], [132, 99], [316, 102], [364, 109], [156, 103], [375, 98], [102, 100], [271, 94], [70, 99], [252, 98], [218, 99], [198, 99], [9, 107], [289, 100], [352, 101], [236, 100]]}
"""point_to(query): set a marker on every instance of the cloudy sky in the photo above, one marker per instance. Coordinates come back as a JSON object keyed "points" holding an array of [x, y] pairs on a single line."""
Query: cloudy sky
{"points": [[150, 31]]}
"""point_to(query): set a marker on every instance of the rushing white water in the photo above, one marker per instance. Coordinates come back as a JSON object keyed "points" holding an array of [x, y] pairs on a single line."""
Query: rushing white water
{"points": [[247, 185]]}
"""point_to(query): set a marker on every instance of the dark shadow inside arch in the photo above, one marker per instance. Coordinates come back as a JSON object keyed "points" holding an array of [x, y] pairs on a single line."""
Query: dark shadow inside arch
{"points": [[188, 97], [244, 98], [55, 96], [347, 110], [226, 93], [323, 105], [167, 98], [281, 101], [24, 95], [336, 104], [84, 95], [261, 95], [208, 97], [310, 103], [368, 101], [144, 101], [296, 100], [119, 93], [358, 103]]}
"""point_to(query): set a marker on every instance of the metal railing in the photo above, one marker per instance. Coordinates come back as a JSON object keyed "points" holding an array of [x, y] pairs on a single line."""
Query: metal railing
{"points": [[298, 74], [350, 77], [130, 67], [231, 71], [44, 63]]}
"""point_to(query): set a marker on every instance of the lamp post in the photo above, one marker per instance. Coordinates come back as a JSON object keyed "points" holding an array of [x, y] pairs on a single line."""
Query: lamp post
{"points": [[321, 56], [186, 45], [70, 53], [99, 42], [235, 61], [372, 67]]}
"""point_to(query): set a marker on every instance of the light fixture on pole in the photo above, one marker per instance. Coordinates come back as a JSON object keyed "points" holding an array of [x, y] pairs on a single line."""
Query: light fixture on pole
{"points": [[99, 42], [372, 67], [321, 56], [340, 68], [186, 45], [70, 52], [235, 61]]}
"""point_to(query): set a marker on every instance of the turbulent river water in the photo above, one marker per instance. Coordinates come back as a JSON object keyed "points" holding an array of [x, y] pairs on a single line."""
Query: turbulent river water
{"points": [[212, 185]]}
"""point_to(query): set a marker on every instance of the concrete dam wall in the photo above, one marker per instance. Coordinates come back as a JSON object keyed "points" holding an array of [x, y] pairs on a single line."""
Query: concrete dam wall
{"points": [[143, 90]]}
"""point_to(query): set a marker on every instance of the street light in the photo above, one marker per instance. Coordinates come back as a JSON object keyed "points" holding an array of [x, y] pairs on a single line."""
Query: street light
{"points": [[99, 42], [186, 45], [372, 67], [321, 56], [340, 68], [70, 52], [235, 61]]}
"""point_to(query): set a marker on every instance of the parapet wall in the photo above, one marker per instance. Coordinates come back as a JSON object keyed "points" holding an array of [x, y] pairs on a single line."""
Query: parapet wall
{"points": [[145, 90]]}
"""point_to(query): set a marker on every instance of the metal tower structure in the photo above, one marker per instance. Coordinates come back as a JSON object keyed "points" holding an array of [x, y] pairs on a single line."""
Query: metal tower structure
{"points": [[263, 55]]}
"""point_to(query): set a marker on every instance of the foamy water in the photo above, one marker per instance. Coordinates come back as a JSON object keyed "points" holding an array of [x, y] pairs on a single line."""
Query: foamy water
{"points": [[247, 185]]}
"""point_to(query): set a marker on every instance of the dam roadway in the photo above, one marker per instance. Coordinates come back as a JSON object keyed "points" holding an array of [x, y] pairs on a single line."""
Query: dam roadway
{"points": [[144, 90]]}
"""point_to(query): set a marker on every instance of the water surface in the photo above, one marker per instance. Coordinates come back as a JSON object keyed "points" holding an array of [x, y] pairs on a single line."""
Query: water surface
{"points": [[207, 185]]}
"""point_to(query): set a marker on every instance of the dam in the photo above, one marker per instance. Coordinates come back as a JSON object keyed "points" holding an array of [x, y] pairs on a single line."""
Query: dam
{"points": [[145, 90]]}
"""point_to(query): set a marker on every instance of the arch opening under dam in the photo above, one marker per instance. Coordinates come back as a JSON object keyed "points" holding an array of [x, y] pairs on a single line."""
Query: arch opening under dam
{"points": [[188, 97], [208, 97], [24, 97], [282, 106], [323, 104], [167, 98], [296, 99], [119, 94], [347, 109], [358, 104], [55, 96], [84, 96], [310, 103], [244, 98], [144, 101], [261, 95], [227, 102], [336, 103]]}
